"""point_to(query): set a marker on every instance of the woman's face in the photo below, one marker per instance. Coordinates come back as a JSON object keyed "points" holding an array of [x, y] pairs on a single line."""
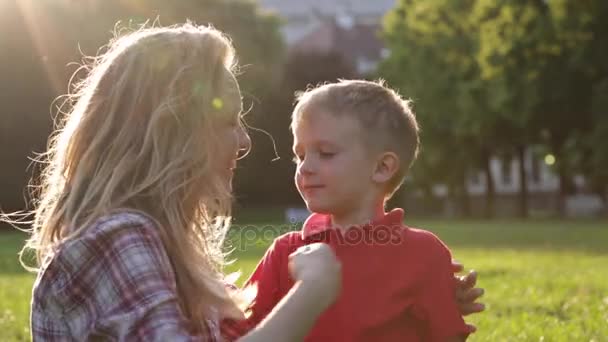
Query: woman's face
{"points": [[234, 141]]}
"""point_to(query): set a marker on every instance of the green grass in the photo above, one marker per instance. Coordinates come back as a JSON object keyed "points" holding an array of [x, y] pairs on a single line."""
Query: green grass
{"points": [[544, 280]]}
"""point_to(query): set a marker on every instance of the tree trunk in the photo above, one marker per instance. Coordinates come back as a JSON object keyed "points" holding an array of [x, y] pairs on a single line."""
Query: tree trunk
{"points": [[523, 190], [604, 197], [562, 173], [450, 208], [490, 190], [562, 193], [465, 202]]}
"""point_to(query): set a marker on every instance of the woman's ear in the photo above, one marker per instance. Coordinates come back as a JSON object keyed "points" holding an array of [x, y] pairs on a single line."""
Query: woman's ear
{"points": [[387, 166]]}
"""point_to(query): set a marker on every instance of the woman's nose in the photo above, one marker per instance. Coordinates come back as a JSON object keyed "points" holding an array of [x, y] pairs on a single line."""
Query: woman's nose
{"points": [[244, 142]]}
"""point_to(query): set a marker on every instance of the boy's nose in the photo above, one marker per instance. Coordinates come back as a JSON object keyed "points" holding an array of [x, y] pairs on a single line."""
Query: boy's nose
{"points": [[307, 166]]}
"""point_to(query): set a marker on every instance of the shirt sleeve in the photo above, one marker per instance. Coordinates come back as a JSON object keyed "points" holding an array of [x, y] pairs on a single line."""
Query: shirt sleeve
{"points": [[436, 302], [124, 276], [267, 278]]}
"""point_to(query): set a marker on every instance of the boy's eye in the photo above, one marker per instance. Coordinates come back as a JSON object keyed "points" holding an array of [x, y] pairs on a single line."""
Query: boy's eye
{"points": [[326, 154]]}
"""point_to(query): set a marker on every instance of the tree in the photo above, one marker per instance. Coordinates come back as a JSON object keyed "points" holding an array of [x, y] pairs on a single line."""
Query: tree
{"points": [[550, 55], [581, 28], [255, 33], [433, 45], [24, 82], [512, 41], [57, 31], [595, 165], [503, 75]]}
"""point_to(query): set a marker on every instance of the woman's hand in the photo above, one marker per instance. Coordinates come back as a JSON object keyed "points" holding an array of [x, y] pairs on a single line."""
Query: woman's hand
{"points": [[317, 274], [317, 267], [466, 292]]}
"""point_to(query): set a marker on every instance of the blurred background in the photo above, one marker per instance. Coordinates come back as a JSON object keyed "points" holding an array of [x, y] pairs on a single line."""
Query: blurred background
{"points": [[511, 95]]}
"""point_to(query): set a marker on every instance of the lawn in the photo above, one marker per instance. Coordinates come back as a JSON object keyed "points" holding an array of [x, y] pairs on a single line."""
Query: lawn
{"points": [[545, 280]]}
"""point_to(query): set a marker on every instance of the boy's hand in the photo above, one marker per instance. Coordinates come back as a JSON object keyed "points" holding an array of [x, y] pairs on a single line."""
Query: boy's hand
{"points": [[317, 267], [466, 292]]}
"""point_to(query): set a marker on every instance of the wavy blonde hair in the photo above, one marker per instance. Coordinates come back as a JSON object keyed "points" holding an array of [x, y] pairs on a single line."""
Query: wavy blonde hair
{"points": [[140, 133]]}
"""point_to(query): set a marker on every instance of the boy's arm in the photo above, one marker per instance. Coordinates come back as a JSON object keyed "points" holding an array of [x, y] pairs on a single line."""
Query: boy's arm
{"points": [[436, 302], [456, 339]]}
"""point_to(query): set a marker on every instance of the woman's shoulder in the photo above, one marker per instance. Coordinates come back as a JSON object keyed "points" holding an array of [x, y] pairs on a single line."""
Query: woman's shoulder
{"points": [[121, 221], [111, 240], [114, 251], [115, 276]]}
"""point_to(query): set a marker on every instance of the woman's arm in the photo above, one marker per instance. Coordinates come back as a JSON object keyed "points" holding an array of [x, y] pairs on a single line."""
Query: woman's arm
{"points": [[290, 320], [317, 274]]}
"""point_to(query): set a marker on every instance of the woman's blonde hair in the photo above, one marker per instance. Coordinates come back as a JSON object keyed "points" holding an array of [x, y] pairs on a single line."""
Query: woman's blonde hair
{"points": [[140, 132]]}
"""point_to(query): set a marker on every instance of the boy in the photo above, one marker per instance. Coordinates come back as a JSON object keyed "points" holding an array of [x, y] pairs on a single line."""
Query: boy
{"points": [[354, 141]]}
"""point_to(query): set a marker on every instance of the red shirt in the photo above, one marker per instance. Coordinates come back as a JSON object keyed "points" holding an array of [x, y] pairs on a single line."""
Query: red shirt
{"points": [[397, 282]]}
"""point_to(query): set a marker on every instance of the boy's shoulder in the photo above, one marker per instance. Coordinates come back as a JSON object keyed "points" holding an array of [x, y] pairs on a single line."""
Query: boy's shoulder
{"points": [[421, 235], [411, 235], [289, 241], [424, 241], [431, 255]]}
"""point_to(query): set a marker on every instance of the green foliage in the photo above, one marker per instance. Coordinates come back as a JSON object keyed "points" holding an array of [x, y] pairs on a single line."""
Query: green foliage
{"points": [[255, 33], [433, 44], [42, 41], [495, 76]]}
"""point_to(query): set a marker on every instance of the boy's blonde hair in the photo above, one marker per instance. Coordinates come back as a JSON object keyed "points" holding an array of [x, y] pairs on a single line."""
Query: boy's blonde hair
{"points": [[140, 133], [386, 118]]}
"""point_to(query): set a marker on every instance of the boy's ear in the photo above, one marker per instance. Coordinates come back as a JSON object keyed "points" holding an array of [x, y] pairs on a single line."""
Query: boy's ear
{"points": [[386, 167]]}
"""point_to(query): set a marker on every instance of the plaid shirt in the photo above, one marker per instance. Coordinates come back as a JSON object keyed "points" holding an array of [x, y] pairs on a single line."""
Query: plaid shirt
{"points": [[115, 282]]}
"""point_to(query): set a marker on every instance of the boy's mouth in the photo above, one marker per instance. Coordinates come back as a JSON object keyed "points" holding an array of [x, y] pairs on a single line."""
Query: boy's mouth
{"points": [[309, 188]]}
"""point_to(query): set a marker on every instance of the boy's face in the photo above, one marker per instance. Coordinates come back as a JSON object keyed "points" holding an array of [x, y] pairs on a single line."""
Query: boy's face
{"points": [[334, 168]]}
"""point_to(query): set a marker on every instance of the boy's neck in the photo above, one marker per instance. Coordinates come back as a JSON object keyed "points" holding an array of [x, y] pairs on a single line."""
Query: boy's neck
{"points": [[358, 217]]}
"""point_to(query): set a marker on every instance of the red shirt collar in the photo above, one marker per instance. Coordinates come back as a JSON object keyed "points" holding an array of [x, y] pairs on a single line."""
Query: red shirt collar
{"points": [[318, 223]]}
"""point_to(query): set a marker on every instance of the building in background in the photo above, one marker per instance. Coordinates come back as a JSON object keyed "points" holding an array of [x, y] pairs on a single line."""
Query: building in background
{"points": [[349, 27], [303, 16]]}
